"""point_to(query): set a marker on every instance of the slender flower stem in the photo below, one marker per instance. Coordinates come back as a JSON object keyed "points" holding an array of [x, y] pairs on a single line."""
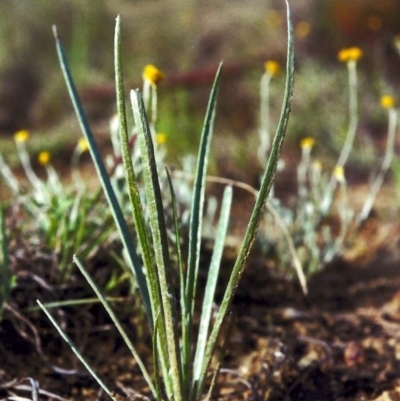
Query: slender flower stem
{"points": [[8, 176], [353, 114], [384, 168], [351, 133], [26, 164], [264, 131], [303, 170], [153, 121], [345, 215]]}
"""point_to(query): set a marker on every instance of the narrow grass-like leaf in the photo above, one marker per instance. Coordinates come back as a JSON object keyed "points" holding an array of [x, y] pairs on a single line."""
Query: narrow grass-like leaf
{"points": [[151, 267], [156, 359], [198, 195], [258, 210], [160, 241], [229, 326], [76, 352], [105, 180], [185, 369], [212, 278], [117, 324], [196, 216], [72, 302], [134, 196]]}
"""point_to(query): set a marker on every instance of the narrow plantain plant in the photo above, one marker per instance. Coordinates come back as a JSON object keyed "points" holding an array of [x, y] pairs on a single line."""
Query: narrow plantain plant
{"points": [[182, 359]]}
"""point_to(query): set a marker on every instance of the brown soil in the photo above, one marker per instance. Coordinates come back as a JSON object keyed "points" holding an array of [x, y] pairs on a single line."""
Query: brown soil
{"points": [[341, 342]]}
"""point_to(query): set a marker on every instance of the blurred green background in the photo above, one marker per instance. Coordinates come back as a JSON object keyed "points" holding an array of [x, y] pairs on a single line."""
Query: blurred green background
{"points": [[186, 39]]}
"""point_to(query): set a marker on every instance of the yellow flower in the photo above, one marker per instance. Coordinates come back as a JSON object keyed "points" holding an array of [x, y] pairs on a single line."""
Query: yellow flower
{"points": [[302, 29], [350, 54], [83, 146], [21, 136], [307, 143], [161, 138], [152, 74], [272, 67], [44, 158], [338, 173], [388, 102], [317, 165]]}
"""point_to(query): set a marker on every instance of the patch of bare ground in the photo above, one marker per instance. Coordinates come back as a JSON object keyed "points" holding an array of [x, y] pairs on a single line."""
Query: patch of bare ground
{"points": [[341, 342]]}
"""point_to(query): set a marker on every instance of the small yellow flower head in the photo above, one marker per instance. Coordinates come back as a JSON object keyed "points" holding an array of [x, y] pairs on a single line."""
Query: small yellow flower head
{"points": [[44, 158], [317, 165], [307, 143], [272, 67], [302, 29], [152, 74], [21, 136], [161, 138], [388, 102], [338, 173], [83, 146], [350, 54]]}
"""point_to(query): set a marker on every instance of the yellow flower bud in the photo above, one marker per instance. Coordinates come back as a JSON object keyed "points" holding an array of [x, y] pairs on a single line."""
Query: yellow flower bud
{"points": [[307, 142], [83, 146], [272, 67], [21, 136], [338, 173], [350, 54], [161, 138], [152, 74], [317, 165], [388, 102], [44, 158]]}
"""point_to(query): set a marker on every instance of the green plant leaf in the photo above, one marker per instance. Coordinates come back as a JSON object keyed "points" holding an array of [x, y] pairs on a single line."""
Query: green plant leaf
{"points": [[160, 243], [155, 345], [196, 215], [76, 352], [198, 195], [147, 249], [258, 210], [185, 369], [212, 277], [229, 326], [117, 324], [116, 211]]}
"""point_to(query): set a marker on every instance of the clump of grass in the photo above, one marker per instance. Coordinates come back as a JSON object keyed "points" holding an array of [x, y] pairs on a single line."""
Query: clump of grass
{"points": [[181, 359]]}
